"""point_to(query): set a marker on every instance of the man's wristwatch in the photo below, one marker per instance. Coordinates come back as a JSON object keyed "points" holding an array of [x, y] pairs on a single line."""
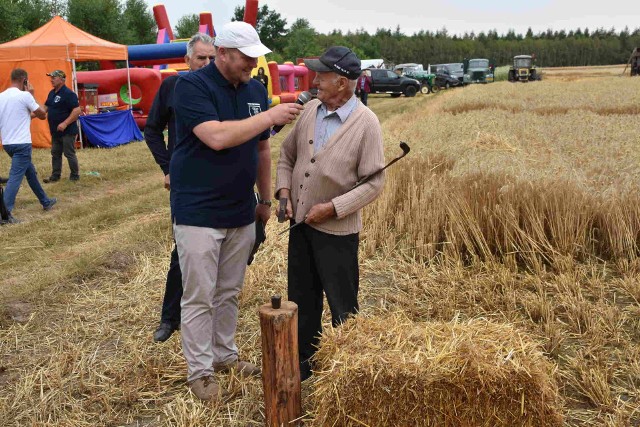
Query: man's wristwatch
{"points": [[264, 202]]}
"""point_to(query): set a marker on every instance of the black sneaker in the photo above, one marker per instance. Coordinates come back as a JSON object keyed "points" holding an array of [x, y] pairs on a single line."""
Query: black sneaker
{"points": [[3, 180], [164, 332], [51, 179], [11, 220], [74, 178]]}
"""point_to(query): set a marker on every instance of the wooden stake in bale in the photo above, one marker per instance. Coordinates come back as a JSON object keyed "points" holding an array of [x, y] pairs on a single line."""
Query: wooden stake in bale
{"points": [[393, 372], [280, 363]]}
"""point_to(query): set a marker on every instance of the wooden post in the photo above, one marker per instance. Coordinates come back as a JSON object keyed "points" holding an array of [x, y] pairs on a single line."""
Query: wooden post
{"points": [[280, 366]]}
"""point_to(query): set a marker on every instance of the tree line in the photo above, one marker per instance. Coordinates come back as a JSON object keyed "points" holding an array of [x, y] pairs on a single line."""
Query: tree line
{"points": [[119, 21], [130, 22]]}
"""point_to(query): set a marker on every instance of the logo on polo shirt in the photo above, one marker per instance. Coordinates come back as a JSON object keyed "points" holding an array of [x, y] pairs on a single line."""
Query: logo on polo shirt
{"points": [[56, 99], [254, 109]]}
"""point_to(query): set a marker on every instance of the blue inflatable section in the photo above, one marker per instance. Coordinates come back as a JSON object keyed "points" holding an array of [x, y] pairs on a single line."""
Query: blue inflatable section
{"points": [[144, 52], [111, 129]]}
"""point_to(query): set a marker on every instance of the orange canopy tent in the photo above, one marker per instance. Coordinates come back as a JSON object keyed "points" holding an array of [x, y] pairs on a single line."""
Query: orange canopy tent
{"points": [[57, 45]]}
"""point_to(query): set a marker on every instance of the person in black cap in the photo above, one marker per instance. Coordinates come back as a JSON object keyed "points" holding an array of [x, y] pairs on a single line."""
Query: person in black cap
{"points": [[336, 142], [63, 110]]}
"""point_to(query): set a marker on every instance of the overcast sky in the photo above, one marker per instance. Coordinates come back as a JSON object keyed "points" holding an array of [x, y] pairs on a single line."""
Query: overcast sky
{"points": [[457, 16]]}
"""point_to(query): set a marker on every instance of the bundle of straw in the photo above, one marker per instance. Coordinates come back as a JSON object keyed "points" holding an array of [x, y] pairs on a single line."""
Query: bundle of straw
{"points": [[393, 372]]}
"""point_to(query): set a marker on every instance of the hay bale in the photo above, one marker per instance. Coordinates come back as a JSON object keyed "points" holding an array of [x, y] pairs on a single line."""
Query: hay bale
{"points": [[393, 372]]}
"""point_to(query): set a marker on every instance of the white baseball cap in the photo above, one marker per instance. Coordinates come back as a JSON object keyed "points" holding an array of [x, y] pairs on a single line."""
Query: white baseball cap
{"points": [[242, 36]]}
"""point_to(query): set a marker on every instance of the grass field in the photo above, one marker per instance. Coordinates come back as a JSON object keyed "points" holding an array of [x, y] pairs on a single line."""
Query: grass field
{"points": [[518, 203]]}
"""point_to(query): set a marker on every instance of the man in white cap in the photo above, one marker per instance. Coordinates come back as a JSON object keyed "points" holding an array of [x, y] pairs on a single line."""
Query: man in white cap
{"points": [[221, 152]]}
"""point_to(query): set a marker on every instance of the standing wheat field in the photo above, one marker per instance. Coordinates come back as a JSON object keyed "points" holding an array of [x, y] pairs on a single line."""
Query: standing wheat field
{"points": [[518, 204]]}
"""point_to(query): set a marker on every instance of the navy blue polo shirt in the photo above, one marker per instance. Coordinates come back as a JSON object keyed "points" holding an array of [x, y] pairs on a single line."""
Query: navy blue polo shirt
{"points": [[59, 106], [212, 188]]}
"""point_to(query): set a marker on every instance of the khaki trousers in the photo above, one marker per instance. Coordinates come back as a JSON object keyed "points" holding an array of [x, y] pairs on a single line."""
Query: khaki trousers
{"points": [[213, 263]]}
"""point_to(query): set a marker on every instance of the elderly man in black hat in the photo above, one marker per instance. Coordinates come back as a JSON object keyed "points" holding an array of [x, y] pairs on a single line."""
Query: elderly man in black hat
{"points": [[335, 142]]}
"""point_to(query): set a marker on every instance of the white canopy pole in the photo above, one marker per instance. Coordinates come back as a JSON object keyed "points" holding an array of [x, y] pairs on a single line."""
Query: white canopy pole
{"points": [[74, 78], [129, 86]]}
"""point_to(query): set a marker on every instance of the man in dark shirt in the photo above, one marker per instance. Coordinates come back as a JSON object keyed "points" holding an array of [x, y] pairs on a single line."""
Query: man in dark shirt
{"points": [[222, 151], [200, 51], [63, 110]]}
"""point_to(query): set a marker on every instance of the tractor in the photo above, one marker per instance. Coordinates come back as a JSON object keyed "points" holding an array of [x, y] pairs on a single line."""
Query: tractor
{"points": [[523, 69], [416, 71]]}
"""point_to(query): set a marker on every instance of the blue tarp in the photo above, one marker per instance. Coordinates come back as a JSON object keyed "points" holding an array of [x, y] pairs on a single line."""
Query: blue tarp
{"points": [[110, 129]]}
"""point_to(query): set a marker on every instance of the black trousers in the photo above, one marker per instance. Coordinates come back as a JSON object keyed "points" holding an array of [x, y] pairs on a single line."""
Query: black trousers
{"points": [[321, 262], [172, 292], [363, 96]]}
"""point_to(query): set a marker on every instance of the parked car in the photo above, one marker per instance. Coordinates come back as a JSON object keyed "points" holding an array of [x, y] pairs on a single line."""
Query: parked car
{"points": [[455, 69], [445, 80], [386, 81]]}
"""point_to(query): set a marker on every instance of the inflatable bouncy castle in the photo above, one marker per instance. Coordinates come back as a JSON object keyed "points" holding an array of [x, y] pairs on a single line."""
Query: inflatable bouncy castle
{"points": [[155, 62]]}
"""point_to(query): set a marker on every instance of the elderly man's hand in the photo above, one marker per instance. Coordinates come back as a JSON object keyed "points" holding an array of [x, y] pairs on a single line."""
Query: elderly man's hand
{"points": [[320, 213], [284, 114], [288, 211], [61, 127], [167, 182]]}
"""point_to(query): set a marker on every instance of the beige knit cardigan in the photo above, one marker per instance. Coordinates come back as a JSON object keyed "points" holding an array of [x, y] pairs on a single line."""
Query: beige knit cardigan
{"points": [[354, 151]]}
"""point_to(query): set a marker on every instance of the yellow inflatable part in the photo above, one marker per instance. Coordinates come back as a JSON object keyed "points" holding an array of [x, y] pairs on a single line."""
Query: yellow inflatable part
{"points": [[262, 62]]}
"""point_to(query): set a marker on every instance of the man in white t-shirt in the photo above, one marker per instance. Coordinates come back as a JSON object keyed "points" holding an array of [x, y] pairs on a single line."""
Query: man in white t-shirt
{"points": [[17, 108]]}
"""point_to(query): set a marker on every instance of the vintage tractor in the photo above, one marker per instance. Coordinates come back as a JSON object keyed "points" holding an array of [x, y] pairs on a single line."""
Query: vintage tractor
{"points": [[416, 71], [523, 69], [478, 70]]}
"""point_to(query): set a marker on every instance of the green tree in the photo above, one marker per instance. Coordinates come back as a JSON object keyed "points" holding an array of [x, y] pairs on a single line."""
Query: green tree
{"points": [[19, 17], [139, 22], [270, 25], [58, 7], [9, 20], [102, 18], [34, 14], [187, 26], [302, 41]]}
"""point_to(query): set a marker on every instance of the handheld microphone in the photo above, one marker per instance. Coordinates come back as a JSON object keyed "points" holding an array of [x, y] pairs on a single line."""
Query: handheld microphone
{"points": [[303, 98]]}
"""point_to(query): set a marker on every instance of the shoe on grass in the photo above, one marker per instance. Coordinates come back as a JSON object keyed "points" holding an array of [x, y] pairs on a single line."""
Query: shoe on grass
{"points": [[51, 179], [11, 220], [205, 388], [244, 369], [164, 332], [48, 206]]}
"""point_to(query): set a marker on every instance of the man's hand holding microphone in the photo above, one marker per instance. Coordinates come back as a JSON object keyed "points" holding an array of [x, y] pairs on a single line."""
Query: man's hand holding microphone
{"points": [[291, 110]]}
